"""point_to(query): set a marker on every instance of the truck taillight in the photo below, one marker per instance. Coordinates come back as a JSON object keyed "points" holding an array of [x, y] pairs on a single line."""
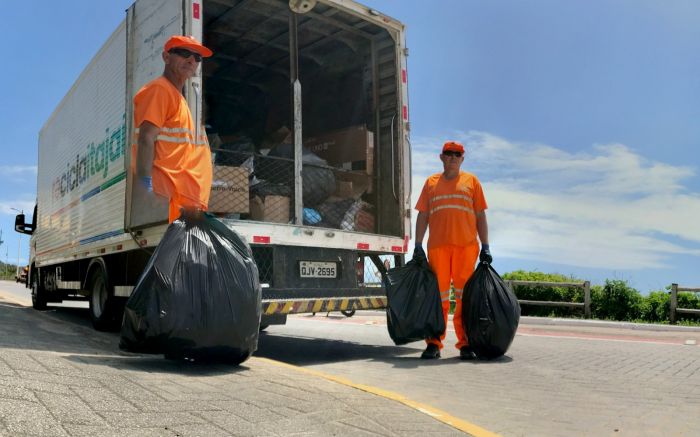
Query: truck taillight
{"points": [[195, 11]]}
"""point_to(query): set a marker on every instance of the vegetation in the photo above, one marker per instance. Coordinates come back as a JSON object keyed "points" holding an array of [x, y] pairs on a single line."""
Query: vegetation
{"points": [[7, 271], [615, 300]]}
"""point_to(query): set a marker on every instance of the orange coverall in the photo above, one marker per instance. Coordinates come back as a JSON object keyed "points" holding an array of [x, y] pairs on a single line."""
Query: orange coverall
{"points": [[453, 245], [182, 168]]}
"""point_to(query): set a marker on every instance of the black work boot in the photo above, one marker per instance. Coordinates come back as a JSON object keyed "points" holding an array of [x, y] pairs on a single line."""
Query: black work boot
{"points": [[431, 352], [467, 353]]}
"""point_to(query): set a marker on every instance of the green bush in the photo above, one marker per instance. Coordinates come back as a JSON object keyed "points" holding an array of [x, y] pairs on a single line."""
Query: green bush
{"points": [[554, 294], [616, 300], [656, 307], [690, 301]]}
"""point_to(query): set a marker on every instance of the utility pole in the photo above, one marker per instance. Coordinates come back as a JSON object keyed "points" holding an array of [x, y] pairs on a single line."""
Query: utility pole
{"points": [[5, 269], [19, 245]]}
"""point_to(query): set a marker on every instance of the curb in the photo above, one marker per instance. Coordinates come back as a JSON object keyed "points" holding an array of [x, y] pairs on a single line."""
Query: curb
{"points": [[529, 320]]}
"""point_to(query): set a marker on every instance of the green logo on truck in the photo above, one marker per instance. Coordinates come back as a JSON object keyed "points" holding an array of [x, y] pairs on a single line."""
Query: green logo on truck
{"points": [[94, 161]]}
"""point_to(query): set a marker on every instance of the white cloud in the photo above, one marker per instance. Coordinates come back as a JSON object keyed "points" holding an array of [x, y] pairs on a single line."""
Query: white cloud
{"points": [[609, 207], [17, 173]]}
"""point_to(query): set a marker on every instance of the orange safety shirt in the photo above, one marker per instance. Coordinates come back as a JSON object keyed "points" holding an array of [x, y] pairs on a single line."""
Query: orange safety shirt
{"points": [[182, 165], [452, 206]]}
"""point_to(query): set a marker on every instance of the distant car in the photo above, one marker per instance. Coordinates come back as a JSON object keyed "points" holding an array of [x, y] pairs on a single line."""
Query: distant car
{"points": [[22, 277]]}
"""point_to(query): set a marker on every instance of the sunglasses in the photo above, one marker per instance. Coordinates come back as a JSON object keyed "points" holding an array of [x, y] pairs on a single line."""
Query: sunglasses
{"points": [[184, 53], [452, 153]]}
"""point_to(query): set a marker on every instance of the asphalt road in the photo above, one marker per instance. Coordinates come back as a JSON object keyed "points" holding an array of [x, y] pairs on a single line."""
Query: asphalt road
{"points": [[555, 380], [591, 379]]}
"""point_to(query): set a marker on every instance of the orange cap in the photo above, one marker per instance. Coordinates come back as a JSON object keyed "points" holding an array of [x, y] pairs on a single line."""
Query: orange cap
{"points": [[454, 146], [187, 42]]}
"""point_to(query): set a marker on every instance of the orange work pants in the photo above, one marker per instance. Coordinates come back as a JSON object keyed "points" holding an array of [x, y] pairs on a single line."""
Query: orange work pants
{"points": [[177, 203], [452, 265]]}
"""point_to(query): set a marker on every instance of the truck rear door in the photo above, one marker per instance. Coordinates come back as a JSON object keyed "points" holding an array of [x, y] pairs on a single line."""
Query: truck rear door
{"points": [[149, 24]]}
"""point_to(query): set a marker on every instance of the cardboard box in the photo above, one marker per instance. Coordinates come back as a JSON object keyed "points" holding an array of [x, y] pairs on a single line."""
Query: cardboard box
{"points": [[351, 184], [344, 189], [350, 148], [364, 221], [271, 209], [229, 190]]}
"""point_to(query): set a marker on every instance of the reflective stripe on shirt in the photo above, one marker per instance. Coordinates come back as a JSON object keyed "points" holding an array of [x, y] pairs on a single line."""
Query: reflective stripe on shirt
{"points": [[459, 207], [451, 196]]}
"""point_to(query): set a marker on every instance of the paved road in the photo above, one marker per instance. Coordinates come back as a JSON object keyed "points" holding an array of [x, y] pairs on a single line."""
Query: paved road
{"points": [[555, 380], [593, 379], [59, 377]]}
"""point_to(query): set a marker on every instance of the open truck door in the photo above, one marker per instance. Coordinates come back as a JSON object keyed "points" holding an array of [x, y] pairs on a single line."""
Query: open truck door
{"points": [[149, 24]]}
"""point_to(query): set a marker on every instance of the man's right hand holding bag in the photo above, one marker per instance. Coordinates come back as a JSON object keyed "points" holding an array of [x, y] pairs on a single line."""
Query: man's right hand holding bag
{"points": [[485, 255]]}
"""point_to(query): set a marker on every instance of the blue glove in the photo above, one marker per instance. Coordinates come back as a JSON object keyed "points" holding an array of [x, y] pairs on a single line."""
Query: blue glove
{"points": [[485, 255], [418, 252], [147, 183]]}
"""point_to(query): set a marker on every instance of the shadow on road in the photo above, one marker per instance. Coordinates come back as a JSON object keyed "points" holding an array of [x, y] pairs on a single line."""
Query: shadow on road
{"points": [[307, 351], [69, 331]]}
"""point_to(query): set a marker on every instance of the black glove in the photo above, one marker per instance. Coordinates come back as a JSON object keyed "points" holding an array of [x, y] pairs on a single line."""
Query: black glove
{"points": [[485, 255], [419, 253]]}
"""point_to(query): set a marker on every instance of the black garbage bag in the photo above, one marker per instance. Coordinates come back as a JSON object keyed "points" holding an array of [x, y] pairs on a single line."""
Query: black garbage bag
{"points": [[490, 313], [199, 296], [414, 309], [318, 181]]}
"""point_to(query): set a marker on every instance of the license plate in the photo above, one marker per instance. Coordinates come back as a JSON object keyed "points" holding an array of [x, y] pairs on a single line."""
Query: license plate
{"points": [[318, 269]]}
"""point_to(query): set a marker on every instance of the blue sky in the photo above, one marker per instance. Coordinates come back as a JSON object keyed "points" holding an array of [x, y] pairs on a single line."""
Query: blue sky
{"points": [[581, 118]]}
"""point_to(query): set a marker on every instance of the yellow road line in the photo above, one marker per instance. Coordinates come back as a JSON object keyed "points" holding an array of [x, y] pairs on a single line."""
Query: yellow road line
{"points": [[436, 414]]}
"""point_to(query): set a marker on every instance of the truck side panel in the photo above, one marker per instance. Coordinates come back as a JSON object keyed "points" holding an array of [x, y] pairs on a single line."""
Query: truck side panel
{"points": [[149, 24], [81, 182]]}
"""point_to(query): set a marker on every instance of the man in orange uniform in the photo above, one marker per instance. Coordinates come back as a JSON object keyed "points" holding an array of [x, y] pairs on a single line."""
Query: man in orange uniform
{"points": [[452, 204], [173, 158]]}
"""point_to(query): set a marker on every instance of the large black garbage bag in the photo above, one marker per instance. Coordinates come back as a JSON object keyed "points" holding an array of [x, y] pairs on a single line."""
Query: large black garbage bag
{"points": [[490, 313], [318, 181], [199, 296], [414, 310]]}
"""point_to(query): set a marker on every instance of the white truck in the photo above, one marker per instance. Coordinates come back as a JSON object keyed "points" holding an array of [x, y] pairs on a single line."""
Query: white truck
{"points": [[329, 75]]}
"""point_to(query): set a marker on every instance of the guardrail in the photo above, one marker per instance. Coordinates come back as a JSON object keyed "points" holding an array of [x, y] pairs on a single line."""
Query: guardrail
{"points": [[674, 302], [586, 286]]}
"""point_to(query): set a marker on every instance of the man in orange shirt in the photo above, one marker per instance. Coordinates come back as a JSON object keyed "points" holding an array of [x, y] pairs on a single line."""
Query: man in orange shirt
{"points": [[172, 156], [452, 204]]}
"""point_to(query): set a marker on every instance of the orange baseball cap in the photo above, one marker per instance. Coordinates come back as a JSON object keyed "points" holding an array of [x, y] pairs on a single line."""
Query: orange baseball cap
{"points": [[453, 146], [187, 42]]}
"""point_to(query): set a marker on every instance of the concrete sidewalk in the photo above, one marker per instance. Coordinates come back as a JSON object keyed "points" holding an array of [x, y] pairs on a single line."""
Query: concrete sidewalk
{"points": [[61, 378]]}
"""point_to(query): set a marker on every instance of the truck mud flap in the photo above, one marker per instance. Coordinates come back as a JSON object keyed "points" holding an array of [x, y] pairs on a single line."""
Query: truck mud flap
{"points": [[297, 306]]}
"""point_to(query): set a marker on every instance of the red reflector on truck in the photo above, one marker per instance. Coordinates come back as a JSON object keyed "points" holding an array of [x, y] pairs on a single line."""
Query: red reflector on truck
{"points": [[195, 11], [405, 243], [396, 249], [260, 239], [363, 246], [405, 112], [403, 76]]}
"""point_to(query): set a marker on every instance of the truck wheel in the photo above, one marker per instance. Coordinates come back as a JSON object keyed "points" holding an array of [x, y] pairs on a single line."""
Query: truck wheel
{"points": [[103, 304], [38, 294], [348, 313]]}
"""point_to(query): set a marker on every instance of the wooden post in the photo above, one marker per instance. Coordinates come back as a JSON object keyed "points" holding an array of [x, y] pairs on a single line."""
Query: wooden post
{"points": [[674, 303], [587, 299]]}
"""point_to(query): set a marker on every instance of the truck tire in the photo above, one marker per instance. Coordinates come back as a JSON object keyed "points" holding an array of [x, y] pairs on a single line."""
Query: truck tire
{"points": [[348, 313], [103, 305], [38, 294]]}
